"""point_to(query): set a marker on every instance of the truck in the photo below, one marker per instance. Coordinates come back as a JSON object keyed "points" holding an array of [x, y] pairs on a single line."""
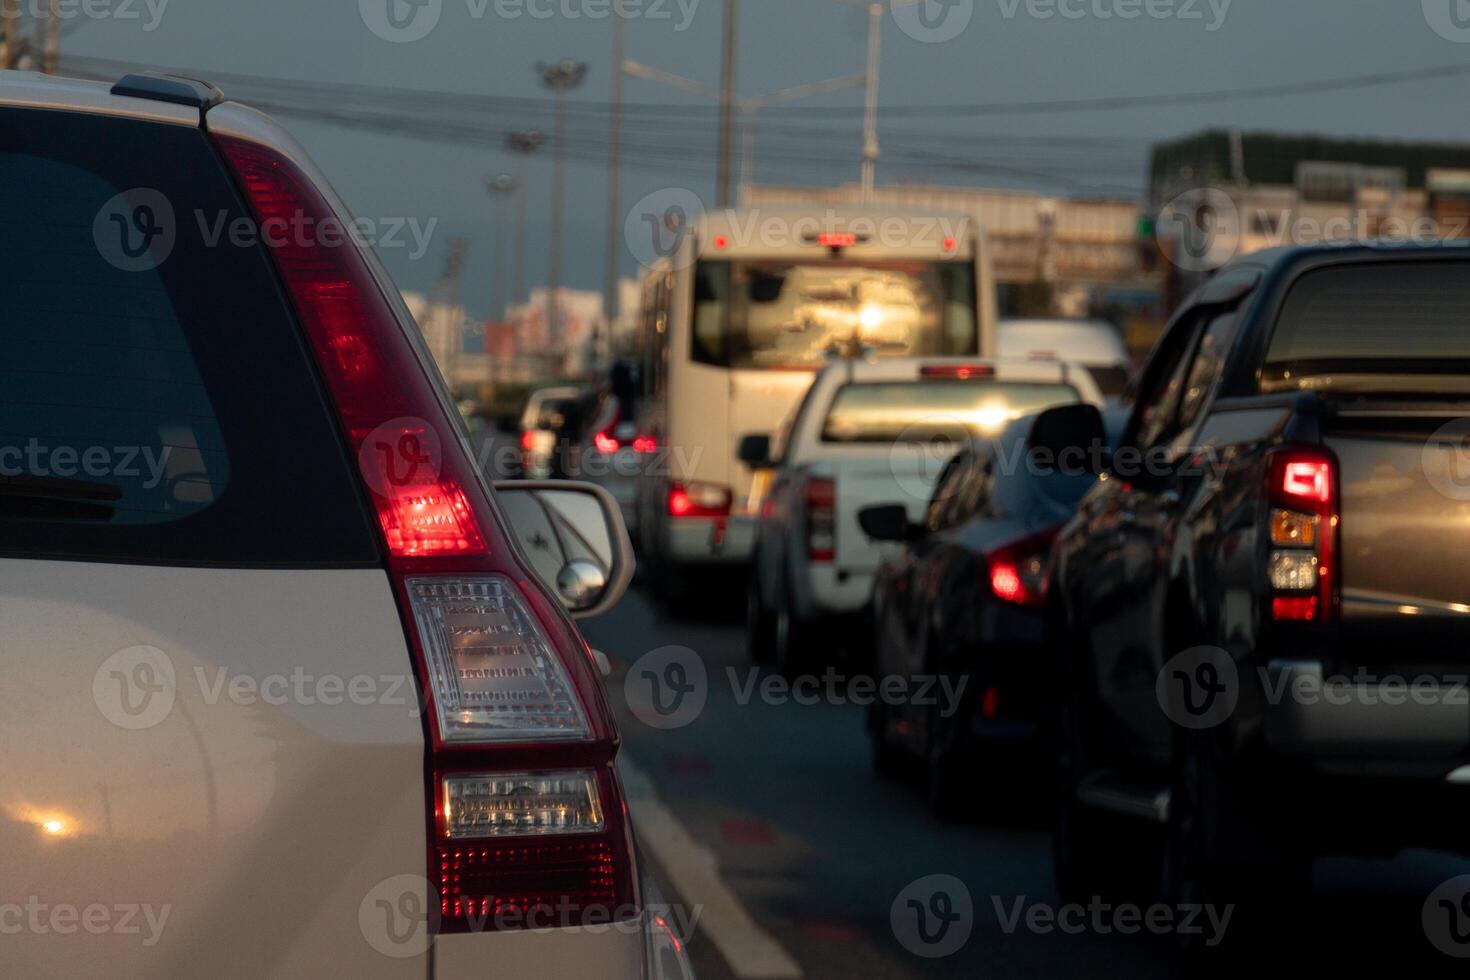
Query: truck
{"points": [[1260, 613]]}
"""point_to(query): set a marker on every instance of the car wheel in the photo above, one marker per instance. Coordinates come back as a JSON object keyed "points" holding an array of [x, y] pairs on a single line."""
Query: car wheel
{"points": [[1096, 854], [1208, 862], [793, 653], [949, 775], [760, 624], [888, 760]]}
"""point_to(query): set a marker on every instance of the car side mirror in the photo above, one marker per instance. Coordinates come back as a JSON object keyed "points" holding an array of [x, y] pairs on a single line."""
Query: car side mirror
{"points": [[573, 538], [755, 450], [888, 522], [1069, 439]]}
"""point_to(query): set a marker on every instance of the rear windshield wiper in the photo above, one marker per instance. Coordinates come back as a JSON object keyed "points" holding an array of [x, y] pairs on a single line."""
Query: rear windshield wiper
{"points": [[57, 498]]}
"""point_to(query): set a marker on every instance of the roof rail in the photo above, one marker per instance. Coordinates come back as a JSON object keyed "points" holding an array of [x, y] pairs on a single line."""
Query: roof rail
{"points": [[178, 89]]}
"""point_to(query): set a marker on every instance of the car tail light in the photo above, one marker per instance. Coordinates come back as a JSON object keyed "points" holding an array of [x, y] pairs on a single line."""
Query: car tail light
{"points": [[1303, 522], [699, 500], [605, 443], [1018, 569], [821, 519], [644, 445], [524, 811], [957, 372], [528, 440], [837, 239]]}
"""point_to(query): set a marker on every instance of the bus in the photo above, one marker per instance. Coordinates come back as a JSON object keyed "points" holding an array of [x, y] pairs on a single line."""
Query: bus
{"points": [[738, 316]]}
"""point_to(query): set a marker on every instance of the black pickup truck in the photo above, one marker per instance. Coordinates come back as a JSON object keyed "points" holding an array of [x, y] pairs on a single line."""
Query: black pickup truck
{"points": [[1261, 610]]}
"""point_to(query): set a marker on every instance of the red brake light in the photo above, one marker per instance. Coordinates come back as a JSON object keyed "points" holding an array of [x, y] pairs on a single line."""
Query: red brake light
{"points": [[515, 695], [528, 439], [837, 239], [958, 372], [645, 445], [1302, 481], [821, 519], [699, 500], [605, 443], [1018, 570], [1307, 480], [722, 242], [950, 244]]}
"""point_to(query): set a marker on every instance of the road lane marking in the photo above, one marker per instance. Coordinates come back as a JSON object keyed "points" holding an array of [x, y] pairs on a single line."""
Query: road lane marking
{"points": [[694, 872]]}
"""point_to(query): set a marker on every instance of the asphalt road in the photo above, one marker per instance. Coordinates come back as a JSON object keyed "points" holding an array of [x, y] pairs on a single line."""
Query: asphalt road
{"points": [[817, 849]]}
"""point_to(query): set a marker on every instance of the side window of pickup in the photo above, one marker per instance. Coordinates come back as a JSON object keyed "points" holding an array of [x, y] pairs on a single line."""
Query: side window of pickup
{"points": [[1159, 404], [1209, 359]]}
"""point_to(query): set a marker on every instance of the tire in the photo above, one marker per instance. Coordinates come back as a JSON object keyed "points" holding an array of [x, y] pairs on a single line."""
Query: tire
{"points": [[1216, 856], [792, 645], [760, 624], [949, 772], [888, 760], [1096, 854]]}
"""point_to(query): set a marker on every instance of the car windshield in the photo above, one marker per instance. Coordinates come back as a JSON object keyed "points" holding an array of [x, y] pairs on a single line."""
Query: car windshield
{"points": [[923, 411], [755, 315]]}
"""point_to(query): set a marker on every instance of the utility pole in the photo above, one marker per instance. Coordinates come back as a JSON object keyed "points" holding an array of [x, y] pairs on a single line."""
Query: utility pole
{"points": [[561, 77], [500, 188], [522, 145], [727, 105], [614, 185], [870, 108]]}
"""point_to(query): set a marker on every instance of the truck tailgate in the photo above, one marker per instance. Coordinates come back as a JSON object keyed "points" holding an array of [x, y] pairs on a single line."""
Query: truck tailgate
{"points": [[895, 479], [1405, 534]]}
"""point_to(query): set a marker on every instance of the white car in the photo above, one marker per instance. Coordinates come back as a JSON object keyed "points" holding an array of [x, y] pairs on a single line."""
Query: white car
{"points": [[868, 432], [1095, 344], [285, 696]]}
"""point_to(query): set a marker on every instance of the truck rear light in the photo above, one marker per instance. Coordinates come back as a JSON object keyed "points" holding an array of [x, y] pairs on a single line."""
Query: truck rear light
{"points": [[1018, 569], [493, 673], [957, 372], [699, 500], [821, 519], [1302, 488], [528, 440], [523, 807], [1293, 571]]}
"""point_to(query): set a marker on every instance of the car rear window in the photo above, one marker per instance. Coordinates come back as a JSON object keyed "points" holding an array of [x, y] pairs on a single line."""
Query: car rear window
{"points": [[1391, 318], [923, 411], [156, 401]]}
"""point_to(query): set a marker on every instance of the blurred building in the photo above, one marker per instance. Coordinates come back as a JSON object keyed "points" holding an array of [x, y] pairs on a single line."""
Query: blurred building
{"points": [[525, 338], [1218, 194]]}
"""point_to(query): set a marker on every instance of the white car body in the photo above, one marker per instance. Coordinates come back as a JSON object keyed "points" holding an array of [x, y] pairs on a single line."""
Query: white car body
{"points": [[1095, 344], [222, 771], [807, 591]]}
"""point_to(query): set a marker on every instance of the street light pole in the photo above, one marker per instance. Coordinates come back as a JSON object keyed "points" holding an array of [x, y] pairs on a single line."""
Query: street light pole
{"points": [[870, 107], [561, 77], [523, 145], [614, 185], [500, 188], [727, 105]]}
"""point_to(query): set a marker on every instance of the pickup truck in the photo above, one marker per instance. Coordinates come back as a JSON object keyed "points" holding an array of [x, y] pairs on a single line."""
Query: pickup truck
{"points": [[1260, 613], [868, 432]]}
